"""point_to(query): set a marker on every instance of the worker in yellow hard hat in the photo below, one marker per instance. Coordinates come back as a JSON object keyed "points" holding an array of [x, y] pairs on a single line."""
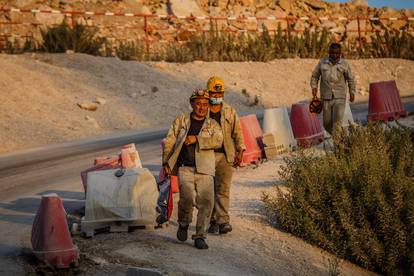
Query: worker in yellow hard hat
{"points": [[229, 155]]}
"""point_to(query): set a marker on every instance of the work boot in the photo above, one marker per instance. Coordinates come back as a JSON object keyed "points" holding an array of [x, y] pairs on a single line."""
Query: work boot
{"points": [[182, 233], [200, 243], [225, 228], [214, 228]]}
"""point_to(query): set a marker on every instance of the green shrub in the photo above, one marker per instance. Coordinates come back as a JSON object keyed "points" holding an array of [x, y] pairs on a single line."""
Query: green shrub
{"points": [[393, 44], [216, 46], [356, 201], [220, 46], [12, 47], [79, 39], [29, 46], [130, 51], [56, 39], [176, 53], [85, 41]]}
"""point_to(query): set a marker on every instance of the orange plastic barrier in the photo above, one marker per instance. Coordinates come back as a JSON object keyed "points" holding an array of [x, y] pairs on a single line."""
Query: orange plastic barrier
{"points": [[129, 157], [253, 135]]}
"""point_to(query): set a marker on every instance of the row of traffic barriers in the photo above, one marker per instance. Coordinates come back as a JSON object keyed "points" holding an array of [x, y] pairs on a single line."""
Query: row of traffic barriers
{"points": [[51, 238], [119, 194], [283, 133]]}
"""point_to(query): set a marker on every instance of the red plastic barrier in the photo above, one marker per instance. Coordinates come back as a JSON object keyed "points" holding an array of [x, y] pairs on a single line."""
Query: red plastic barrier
{"points": [[173, 178], [51, 240], [101, 163], [253, 139], [385, 102], [306, 127], [127, 159]]}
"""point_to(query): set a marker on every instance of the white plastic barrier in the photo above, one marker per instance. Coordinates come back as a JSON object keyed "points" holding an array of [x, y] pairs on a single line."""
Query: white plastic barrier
{"points": [[120, 195], [348, 118], [276, 121]]}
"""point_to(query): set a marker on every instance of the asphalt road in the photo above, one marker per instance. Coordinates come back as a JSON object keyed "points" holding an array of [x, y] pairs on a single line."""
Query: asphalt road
{"points": [[25, 186], [26, 176]]}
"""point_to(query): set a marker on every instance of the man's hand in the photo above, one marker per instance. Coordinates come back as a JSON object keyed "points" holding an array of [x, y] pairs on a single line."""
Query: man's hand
{"points": [[238, 159], [351, 98], [191, 139], [167, 170], [314, 91]]}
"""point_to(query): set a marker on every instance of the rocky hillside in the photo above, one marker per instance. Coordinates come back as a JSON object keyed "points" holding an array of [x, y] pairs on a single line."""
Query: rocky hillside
{"points": [[320, 13], [218, 7]]}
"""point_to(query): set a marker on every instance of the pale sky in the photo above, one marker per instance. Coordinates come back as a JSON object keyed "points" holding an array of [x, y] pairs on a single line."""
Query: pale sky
{"points": [[398, 4]]}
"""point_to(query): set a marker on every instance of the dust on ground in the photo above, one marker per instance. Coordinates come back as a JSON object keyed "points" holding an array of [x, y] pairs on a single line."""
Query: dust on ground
{"points": [[40, 93], [254, 247]]}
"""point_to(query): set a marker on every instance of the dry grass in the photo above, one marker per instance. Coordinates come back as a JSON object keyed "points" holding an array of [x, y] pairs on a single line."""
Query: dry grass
{"points": [[215, 46]]}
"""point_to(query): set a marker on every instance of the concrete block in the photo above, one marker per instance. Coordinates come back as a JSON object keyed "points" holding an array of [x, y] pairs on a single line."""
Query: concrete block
{"points": [[274, 151]]}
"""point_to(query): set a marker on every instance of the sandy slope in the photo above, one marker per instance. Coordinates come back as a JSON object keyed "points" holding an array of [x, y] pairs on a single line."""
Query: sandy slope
{"points": [[40, 92]]}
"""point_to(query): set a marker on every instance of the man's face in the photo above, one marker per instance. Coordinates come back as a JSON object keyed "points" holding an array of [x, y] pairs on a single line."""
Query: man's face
{"points": [[335, 54], [200, 107], [215, 94]]}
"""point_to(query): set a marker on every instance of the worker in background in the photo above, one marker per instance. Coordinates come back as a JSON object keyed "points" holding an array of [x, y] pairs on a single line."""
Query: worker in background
{"points": [[336, 78], [189, 151], [227, 156]]}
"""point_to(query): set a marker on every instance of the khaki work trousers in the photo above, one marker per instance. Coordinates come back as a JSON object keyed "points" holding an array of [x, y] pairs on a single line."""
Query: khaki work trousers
{"points": [[197, 190], [333, 113], [222, 183]]}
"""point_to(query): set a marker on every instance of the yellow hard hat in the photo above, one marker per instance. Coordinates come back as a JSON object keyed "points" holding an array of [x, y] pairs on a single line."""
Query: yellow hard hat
{"points": [[215, 84]]}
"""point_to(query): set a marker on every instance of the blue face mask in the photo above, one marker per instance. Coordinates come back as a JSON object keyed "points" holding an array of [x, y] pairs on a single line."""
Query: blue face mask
{"points": [[216, 100]]}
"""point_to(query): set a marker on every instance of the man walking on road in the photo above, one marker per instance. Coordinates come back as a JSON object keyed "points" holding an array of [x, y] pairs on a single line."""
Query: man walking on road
{"points": [[335, 75], [189, 149], [229, 155]]}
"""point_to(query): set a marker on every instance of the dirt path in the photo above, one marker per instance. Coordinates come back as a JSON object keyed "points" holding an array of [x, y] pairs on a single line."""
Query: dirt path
{"points": [[253, 248]]}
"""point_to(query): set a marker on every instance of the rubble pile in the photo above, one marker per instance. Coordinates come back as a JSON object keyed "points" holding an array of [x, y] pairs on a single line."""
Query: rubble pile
{"points": [[344, 20]]}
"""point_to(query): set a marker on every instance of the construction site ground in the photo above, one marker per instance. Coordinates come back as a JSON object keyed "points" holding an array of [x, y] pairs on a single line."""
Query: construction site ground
{"points": [[49, 98]]}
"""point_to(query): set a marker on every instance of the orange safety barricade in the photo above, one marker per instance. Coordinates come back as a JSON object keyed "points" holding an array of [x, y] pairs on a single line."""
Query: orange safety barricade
{"points": [[51, 240], [253, 135]]}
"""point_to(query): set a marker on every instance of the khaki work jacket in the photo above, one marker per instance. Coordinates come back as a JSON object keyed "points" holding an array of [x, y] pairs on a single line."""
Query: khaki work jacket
{"points": [[335, 79], [232, 133], [209, 138]]}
